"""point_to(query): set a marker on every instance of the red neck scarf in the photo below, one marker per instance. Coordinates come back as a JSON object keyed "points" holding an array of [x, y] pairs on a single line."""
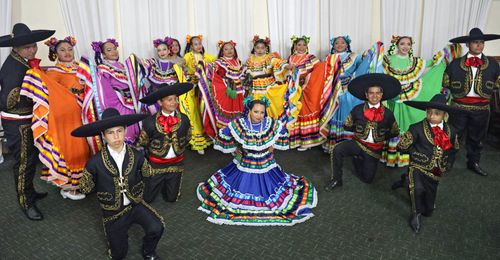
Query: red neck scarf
{"points": [[34, 63], [374, 114], [168, 122], [440, 138], [473, 61]]}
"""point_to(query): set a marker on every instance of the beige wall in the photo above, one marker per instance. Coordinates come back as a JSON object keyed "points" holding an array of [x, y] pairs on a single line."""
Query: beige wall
{"points": [[493, 26], [46, 14]]}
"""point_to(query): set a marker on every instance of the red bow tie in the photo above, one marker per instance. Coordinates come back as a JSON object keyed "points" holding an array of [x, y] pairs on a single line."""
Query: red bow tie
{"points": [[34, 63], [474, 62], [167, 122], [440, 138], [374, 114]]}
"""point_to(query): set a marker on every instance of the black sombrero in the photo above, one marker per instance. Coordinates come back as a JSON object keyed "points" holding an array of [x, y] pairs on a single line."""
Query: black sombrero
{"points": [[22, 35], [166, 90], [438, 101], [110, 118], [475, 34], [389, 84]]}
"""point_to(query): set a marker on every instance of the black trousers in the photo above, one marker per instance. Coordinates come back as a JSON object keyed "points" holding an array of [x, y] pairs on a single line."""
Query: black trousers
{"points": [[117, 230], [20, 142], [474, 126], [169, 184], [365, 165], [423, 191]]}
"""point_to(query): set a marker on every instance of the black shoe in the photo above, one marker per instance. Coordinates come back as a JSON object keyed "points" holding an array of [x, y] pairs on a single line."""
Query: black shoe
{"points": [[33, 213], [152, 256], [40, 195], [476, 169], [415, 223], [332, 184], [397, 184]]}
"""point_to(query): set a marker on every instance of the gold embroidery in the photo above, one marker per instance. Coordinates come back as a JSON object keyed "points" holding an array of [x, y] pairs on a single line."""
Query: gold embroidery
{"points": [[105, 196], [143, 139], [166, 169], [395, 129], [158, 148], [331, 158], [136, 192], [419, 157], [471, 107], [146, 169], [348, 121], [19, 58], [406, 141], [154, 212], [13, 98], [110, 166], [118, 215], [86, 182], [456, 144], [368, 151], [180, 186], [411, 187], [446, 80], [24, 131], [131, 160], [426, 172]]}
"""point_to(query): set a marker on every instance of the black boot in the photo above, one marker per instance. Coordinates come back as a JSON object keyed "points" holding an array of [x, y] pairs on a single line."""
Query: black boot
{"points": [[474, 166], [333, 184], [33, 213]]}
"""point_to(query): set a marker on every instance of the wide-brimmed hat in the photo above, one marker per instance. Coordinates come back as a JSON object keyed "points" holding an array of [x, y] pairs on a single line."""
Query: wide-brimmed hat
{"points": [[475, 34], [110, 118], [389, 84], [166, 90], [22, 35], [438, 101]]}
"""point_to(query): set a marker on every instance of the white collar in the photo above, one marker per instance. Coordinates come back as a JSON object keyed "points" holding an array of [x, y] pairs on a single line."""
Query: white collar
{"points": [[472, 55], [168, 114], [114, 153], [375, 106], [441, 125]]}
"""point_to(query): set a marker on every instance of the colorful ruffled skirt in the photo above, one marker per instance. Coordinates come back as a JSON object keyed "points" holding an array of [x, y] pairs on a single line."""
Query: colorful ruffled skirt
{"points": [[336, 132], [233, 196]]}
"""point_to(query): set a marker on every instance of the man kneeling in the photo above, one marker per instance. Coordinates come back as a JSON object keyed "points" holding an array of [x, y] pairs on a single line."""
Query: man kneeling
{"points": [[117, 174], [371, 123]]}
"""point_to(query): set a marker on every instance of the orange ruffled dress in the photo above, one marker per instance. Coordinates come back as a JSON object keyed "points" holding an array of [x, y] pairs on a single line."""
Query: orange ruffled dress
{"points": [[56, 112]]}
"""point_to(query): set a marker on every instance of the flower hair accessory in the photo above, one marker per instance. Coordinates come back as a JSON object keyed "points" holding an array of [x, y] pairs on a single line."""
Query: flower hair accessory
{"points": [[96, 46], [167, 41], [249, 99], [396, 38], [346, 38], [189, 37], [53, 42], [221, 43], [71, 40], [267, 41], [305, 38]]}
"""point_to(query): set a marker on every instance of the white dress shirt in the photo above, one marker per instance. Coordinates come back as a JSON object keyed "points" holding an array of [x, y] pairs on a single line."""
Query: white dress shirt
{"points": [[369, 139], [171, 153], [473, 93], [119, 157]]}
